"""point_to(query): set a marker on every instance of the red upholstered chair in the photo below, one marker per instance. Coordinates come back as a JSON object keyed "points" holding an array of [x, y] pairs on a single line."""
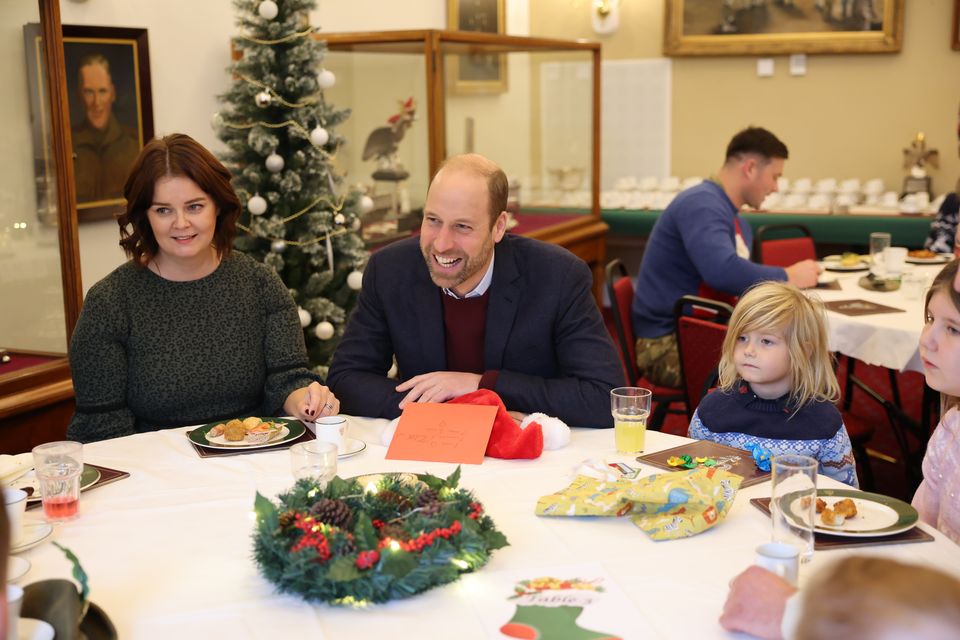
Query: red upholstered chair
{"points": [[701, 327], [620, 291], [772, 248]]}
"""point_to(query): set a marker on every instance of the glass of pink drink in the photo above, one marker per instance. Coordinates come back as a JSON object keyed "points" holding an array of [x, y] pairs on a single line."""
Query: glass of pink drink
{"points": [[58, 466]]}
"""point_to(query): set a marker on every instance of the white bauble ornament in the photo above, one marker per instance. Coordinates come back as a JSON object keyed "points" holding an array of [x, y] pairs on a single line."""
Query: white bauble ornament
{"points": [[274, 163], [268, 9], [324, 330], [339, 218], [355, 280], [278, 246], [304, 317], [263, 99], [366, 204], [326, 79], [257, 205], [319, 136], [355, 225], [216, 121]]}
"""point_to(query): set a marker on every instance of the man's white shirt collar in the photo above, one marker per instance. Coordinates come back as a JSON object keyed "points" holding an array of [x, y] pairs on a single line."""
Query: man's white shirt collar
{"points": [[481, 287]]}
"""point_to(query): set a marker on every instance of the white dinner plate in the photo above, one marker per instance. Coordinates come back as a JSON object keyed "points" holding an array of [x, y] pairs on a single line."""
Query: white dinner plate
{"points": [[17, 567], [291, 430], [221, 440], [836, 266], [940, 258], [877, 515], [351, 447], [33, 534], [32, 629]]}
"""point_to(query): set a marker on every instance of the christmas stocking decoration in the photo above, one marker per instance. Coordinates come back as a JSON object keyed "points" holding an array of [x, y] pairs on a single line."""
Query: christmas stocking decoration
{"points": [[548, 608]]}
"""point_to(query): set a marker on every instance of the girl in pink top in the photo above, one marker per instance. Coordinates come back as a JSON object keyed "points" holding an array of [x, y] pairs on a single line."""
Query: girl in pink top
{"points": [[938, 497]]}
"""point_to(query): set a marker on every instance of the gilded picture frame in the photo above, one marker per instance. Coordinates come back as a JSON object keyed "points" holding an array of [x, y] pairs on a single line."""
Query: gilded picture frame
{"points": [[477, 72], [110, 110], [780, 27]]}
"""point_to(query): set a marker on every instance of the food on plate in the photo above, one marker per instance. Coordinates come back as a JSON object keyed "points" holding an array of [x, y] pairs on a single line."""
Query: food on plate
{"points": [[847, 507], [831, 518], [850, 259], [837, 513], [924, 254], [252, 430]]}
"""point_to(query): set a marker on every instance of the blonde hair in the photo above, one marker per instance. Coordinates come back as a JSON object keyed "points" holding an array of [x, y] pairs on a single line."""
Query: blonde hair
{"points": [[802, 321], [873, 598], [944, 282]]}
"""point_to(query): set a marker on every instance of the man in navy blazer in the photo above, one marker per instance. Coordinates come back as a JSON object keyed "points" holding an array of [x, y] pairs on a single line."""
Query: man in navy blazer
{"points": [[467, 307]]}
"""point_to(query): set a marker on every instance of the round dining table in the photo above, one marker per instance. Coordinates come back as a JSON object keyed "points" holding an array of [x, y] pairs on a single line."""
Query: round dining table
{"points": [[886, 339], [169, 550]]}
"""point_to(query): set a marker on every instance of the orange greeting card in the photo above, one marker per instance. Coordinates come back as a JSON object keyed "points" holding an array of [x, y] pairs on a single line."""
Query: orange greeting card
{"points": [[433, 432]]}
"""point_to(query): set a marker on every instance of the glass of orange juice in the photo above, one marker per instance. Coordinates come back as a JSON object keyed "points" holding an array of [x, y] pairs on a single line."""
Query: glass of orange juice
{"points": [[631, 408]]}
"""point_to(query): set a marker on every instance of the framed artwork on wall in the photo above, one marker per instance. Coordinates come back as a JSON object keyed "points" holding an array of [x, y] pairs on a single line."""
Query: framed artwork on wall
{"points": [[955, 42], [110, 105], [477, 72], [772, 27]]}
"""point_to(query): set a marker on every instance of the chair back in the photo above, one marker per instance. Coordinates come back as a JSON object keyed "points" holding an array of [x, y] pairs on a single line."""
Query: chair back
{"points": [[701, 326], [620, 291], [771, 248]]}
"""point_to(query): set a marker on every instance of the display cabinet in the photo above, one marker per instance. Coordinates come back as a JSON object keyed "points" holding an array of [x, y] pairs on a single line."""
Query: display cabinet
{"points": [[39, 257], [530, 104]]}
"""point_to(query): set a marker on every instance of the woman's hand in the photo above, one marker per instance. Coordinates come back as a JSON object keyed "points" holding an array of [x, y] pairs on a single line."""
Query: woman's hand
{"points": [[311, 402]]}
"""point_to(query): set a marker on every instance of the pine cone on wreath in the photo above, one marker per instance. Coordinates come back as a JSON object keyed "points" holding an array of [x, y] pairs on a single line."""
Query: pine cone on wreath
{"points": [[335, 513], [394, 531], [431, 509], [286, 519], [391, 497], [428, 496]]}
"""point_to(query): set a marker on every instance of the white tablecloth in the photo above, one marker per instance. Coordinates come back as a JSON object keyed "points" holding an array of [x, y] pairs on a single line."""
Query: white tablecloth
{"points": [[886, 339], [168, 550]]}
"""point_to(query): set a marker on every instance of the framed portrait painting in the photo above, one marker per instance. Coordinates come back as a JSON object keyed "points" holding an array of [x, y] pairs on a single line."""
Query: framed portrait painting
{"points": [[477, 72], [110, 110], [773, 27]]}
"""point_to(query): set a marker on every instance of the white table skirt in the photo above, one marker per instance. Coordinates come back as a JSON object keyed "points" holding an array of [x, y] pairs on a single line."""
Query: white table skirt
{"points": [[886, 339], [169, 551]]}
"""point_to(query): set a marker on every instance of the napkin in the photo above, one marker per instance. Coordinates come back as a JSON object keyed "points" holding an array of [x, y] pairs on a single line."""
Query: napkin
{"points": [[665, 506], [12, 467]]}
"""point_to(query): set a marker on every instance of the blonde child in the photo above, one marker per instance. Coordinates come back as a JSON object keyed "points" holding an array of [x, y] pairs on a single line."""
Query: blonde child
{"points": [[777, 384], [938, 497]]}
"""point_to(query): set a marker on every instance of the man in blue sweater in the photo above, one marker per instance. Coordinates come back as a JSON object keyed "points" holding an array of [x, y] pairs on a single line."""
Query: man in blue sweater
{"points": [[700, 240]]}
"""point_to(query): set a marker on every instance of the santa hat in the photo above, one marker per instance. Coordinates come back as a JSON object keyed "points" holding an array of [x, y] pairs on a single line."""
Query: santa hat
{"points": [[511, 440]]}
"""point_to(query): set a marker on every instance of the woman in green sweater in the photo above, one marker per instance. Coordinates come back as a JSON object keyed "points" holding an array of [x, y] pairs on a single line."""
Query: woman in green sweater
{"points": [[186, 332]]}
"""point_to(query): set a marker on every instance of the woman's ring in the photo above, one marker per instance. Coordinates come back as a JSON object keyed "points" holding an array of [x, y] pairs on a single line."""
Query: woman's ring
{"points": [[328, 406]]}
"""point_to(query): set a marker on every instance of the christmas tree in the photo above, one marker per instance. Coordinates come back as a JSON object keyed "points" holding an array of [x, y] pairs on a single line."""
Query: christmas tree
{"points": [[300, 217]]}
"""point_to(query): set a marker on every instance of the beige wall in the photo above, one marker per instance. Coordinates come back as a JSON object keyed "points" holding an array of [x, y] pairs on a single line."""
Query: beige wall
{"points": [[850, 116]]}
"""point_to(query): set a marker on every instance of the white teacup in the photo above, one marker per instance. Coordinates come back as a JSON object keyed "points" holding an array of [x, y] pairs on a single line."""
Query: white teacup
{"points": [[15, 502], [895, 259], [14, 602], [331, 429], [781, 559]]}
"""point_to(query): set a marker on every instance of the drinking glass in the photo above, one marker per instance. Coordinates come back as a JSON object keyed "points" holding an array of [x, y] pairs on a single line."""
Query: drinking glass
{"points": [[879, 241], [630, 407], [58, 466], [793, 501], [314, 459]]}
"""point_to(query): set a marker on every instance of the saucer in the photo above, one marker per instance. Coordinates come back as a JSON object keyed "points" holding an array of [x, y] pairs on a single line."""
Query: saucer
{"points": [[351, 447], [33, 534], [31, 629], [17, 568]]}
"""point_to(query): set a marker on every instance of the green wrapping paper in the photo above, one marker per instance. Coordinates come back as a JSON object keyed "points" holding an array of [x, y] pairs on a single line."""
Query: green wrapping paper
{"points": [[665, 506]]}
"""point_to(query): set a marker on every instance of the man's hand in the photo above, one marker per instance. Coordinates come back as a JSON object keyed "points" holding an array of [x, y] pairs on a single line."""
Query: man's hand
{"points": [[803, 274], [756, 603], [438, 386]]}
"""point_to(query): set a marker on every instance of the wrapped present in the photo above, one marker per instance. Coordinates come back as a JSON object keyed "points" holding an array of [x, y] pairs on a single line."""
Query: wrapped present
{"points": [[665, 506]]}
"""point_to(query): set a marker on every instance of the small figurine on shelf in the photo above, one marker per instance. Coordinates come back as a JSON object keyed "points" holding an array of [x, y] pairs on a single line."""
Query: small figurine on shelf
{"points": [[915, 158], [382, 144]]}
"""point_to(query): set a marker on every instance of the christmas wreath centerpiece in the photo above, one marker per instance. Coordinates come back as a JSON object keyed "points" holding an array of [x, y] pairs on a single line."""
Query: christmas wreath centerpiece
{"points": [[373, 538]]}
